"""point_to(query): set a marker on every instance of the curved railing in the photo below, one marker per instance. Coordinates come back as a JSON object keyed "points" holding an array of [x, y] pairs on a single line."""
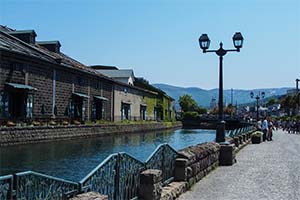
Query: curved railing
{"points": [[32, 185], [6, 187], [117, 176], [163, 158], [102, 178]]}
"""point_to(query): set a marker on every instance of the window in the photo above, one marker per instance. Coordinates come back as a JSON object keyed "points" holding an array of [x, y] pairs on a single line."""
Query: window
{"points": [[29, 106], [4, 104], [125, 111], [80, 81], [143, 112]]}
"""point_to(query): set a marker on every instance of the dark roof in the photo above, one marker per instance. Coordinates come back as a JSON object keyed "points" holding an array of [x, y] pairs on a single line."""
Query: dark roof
{"points": [[14, 32], [12, 44], [122, 73], [5, 28], [49, 42], [103, 67]]}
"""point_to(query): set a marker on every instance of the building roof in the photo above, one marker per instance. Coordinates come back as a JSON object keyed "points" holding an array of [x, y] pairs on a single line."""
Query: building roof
{"points": [[49, 42], [5, 28], [106, 67], [122, 73], [22, 32], [12, 44]]}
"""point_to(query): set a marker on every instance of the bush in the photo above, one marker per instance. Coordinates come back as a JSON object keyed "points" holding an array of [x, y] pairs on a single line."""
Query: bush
{"points": [[257, 134], [190, 115]]}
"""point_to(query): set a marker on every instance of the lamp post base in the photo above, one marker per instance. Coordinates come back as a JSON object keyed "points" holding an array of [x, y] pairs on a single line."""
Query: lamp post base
{"points": [[220, 132]]}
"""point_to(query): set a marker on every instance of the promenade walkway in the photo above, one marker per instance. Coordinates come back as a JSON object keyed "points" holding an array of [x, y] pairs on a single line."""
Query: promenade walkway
{"points": [[270, 170]]}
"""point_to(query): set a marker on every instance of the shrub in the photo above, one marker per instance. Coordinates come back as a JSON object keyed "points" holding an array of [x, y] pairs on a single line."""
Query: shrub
{"points": [[190, 115]]}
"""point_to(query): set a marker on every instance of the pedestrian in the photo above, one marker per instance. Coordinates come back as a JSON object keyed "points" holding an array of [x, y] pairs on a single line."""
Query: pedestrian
{"points": [[270, 130], [264, 128], [298, 126]]}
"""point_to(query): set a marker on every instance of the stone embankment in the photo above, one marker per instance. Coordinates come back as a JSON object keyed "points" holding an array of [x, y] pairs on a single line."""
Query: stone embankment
{"points": [[24, 135]]}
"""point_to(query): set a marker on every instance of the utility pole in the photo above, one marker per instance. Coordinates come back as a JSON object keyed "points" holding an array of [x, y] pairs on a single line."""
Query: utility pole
{"points": [[297, 86]]}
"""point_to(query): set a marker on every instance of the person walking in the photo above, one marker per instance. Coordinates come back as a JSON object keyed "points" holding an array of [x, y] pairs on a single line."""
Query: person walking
{"points": [[270, 130], [264, 128]]}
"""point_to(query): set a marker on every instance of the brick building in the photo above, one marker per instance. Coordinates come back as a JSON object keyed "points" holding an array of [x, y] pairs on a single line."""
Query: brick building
{"points": [[38, 81]]}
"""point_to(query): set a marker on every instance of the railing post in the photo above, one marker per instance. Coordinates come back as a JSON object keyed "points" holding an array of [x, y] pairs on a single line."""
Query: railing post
{"points": [[163, 162], [150, 184], [117, 177]]}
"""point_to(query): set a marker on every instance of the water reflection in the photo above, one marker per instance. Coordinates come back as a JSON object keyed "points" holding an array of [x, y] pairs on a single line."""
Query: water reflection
{"points": [[73, 159]]}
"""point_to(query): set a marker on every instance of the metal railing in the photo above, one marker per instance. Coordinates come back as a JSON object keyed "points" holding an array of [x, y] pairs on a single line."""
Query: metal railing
{"points": [[239, 131], [118, 176], [163, 158], [6, 187], [32, 185]]}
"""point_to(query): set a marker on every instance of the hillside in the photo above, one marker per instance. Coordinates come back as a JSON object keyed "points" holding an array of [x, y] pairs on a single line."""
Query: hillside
{"points": [[203, 97]]}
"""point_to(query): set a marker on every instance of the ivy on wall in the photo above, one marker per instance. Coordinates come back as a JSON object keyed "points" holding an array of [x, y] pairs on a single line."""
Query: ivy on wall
{"points": [[151, 102]]}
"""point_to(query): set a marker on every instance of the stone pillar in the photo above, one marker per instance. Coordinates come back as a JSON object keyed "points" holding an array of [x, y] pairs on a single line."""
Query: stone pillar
{"points": [[244, 138], [181, 173], [150, 184], [236, 141], [227, 156], [241, 139]]}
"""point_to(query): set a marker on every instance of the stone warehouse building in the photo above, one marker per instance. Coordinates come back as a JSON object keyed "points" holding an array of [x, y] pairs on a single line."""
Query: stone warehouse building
{"points": [[38, 81]]}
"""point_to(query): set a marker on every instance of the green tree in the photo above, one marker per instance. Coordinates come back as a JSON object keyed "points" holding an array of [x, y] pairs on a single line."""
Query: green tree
{"points": [[271, 101], [201, 110], [287, 103], [187, 103]]}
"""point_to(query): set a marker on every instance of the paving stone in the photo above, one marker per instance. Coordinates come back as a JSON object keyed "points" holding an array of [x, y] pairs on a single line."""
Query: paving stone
{"points": [[270, 170]]}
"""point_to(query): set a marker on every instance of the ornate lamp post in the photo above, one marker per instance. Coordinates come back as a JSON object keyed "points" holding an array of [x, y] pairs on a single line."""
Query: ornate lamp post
{"points": [[204, 43], [257, 97]]}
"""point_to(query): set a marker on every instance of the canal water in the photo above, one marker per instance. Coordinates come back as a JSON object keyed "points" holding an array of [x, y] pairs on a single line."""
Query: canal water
{"points": [[74, 159]]}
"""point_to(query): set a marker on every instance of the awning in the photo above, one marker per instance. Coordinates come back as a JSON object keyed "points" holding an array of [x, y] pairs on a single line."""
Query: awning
{"points": [[143, 104], [126, 102], [20, 86], [101, 98], [80, 95]]}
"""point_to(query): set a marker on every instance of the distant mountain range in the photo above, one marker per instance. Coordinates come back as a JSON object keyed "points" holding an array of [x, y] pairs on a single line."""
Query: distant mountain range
{"points": [[203, 97]]}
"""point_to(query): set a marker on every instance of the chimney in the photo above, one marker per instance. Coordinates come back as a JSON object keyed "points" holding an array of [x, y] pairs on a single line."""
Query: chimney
{"points": [[27, 36], [53, 46]]}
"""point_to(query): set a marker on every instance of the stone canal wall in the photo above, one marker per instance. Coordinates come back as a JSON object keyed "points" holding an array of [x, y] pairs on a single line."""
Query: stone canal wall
{"points": [[24, 135], [194, 162]]}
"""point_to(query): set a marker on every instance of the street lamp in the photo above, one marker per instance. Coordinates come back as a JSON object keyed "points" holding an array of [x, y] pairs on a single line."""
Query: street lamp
{"points": [[257, 97], [204, 43]]}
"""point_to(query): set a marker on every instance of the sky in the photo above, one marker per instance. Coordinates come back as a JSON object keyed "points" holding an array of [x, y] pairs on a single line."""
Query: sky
{"points": [[158, 39]]}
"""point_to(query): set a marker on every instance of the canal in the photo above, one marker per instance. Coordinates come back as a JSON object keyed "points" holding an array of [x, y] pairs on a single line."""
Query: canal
{"points": [[74, 159]]}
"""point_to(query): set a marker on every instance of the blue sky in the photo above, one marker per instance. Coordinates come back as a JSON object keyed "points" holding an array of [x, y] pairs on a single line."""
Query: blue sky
{"points": [[159, 38]]}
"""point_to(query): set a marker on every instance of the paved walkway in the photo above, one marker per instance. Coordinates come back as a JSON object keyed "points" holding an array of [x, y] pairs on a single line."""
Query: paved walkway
{"points": [[270, 170]]}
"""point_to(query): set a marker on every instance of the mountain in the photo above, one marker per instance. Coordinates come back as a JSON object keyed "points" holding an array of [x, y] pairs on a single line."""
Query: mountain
{"points": [[203, 97]]}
